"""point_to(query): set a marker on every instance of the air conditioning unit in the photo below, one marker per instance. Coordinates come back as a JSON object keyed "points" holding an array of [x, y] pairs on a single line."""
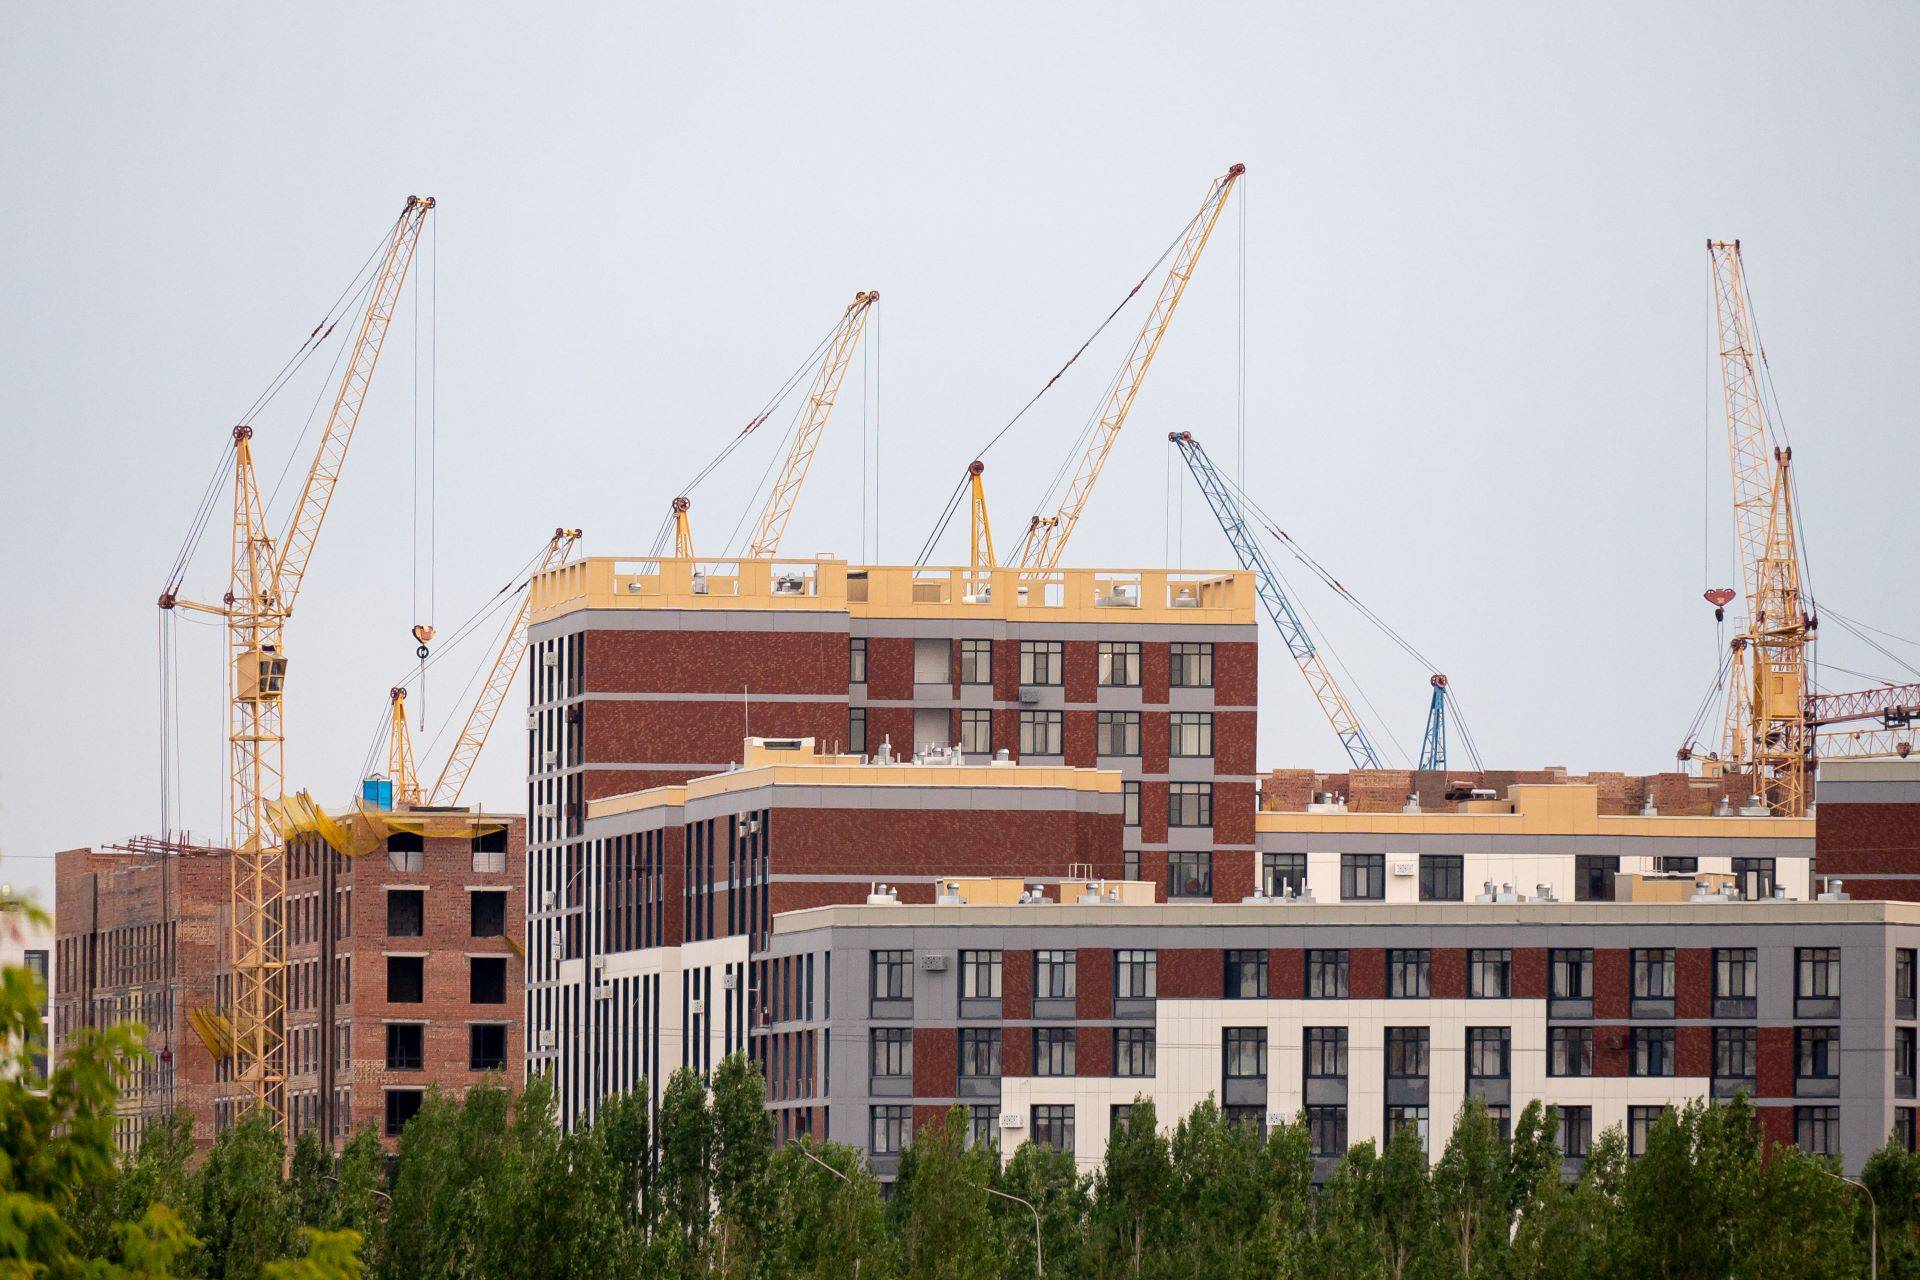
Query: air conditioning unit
{"points": [[934, 962], [1011, 1120], [551, 658], [730, 981], [1402, 867], [697, 1006], [603, 993], [559, 949], [546, 810], [533, 721], [599, 963], [551, 758], [546, 1038], [547, 897], [1029, 696]]}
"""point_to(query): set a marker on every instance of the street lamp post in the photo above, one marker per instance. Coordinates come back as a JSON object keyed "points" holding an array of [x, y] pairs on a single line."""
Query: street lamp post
{"points": [[1873, 1222], [1039, 1263]]}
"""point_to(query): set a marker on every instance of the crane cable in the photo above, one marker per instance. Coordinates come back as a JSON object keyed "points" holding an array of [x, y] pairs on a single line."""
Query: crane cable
{"points": [[665, 534], [1272, 528], [954, 499]]}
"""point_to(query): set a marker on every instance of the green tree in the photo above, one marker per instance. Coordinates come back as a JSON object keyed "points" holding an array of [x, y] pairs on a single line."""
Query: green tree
{"points": [[1283, 1237], [1470, 1191], [939, 1210], [1892, 1174], [331, 1255], [1133, 1193], [1050, 1181], [244, 1217], [684, 1180], [746, 1225], [835, 1227], [1379, 1210]]}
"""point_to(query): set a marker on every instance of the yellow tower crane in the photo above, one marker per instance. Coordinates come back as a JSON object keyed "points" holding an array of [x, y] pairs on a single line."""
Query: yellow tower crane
{"points": [[1767, 734], [1047, 536], [264, 581], [401, 770], [506, 663], [813, 421]]}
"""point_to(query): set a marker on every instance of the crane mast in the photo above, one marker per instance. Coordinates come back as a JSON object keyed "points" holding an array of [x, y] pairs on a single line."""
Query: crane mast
{"points": [[979, 528], [264, 579], [1047, 536], [1767, 730], [813, 421], [1253, 558], [400, 767], [506, 662], [1433, 744]]}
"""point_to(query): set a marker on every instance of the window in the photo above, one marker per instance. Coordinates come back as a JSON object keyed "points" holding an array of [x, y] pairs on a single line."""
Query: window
{"points": [[1442, 877], [489, 851], [406, 851], [1053, 1051], [1130, 806], [857, 730], [1593, 877], [857, 660], [1903, 1061], [1736, 1053], [1407, 1052], [1489, 1053], [1190, 734], [1363, 877], [983, 1125], [1490, 973], [1653, 973], [487, 979], [406, 913], [1053, 1126], [1327, 1131], [1246, 1053], [1677, 865], [1136, 974], [1189, 804], [1133, 1051], [1190, 873], [1326, 1053], [1653, 1051], [980, 975], [1816, 973], [1039, 733], [487, 913], [1246, 975], [406, 979], [891, 1051], [1130, 865], [1569, 1051], [402, 1106], [1640, 1122], [1905, 1131], [1903, 965], [1817, 1053], [1054, 974], [1119, 1116], [1248, 1116], [1735, 973], [1576, 1131], [976, 662], [891, 1126], [1120, 663], [1284, 874], [406, 1046], [487, 1046], [1755, 876], [1408, 1117], [1409, 974], [892, 975], [980, 1052], [1327, 975], [1570, 973], [1501, 1117], [1190, 665], [1816, 1130], [976, 732], [1116, 733], [1040, 662]]}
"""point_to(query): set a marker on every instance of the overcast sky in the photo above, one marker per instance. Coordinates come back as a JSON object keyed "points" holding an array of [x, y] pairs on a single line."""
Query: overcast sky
{"points": [[1476, 312]]}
